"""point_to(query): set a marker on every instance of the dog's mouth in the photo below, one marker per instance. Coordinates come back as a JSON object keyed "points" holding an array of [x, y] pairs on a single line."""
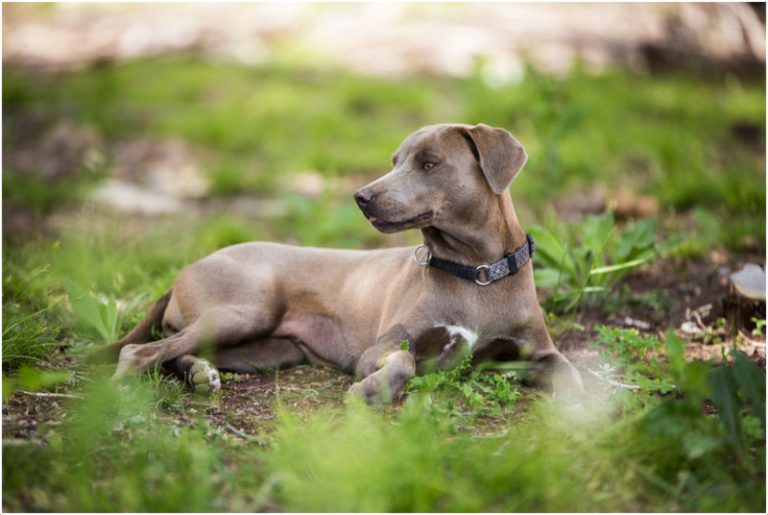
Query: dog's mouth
{"points": [[400, 225]]}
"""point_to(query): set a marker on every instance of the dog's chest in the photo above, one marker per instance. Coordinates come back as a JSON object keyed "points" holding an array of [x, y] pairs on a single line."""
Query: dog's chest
{"points": [[481, 309]]}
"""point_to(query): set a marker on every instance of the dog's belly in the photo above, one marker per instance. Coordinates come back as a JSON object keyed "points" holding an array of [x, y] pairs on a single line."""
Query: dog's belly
{"points": [[319, 337]]}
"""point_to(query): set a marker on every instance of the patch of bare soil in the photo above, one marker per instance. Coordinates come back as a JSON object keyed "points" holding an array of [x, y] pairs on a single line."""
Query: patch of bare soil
{"points": [[249, 401], [24, 414]]}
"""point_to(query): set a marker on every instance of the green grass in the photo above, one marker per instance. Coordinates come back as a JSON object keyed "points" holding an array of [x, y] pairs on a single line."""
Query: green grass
{"points": [[465, 440], [31, 331], [671, 137]]}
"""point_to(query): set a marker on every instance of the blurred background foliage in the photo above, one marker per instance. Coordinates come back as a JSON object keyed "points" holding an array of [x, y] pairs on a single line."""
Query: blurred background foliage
{"points": [[137, 139]]}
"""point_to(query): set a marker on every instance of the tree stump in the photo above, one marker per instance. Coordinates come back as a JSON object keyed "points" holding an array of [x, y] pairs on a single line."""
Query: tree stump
{"points": [[746, 298]]}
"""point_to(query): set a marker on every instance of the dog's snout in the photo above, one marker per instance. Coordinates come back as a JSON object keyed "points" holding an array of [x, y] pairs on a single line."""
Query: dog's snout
{"points": [[364, 196]]}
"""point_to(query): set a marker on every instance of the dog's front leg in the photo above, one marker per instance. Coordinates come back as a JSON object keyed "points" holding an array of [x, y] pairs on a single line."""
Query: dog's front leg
{"points": [[558, 374], [384, 372]]}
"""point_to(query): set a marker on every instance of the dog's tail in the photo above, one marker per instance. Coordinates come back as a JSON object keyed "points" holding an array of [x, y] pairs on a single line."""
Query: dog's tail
{"points": [[142, 333]]}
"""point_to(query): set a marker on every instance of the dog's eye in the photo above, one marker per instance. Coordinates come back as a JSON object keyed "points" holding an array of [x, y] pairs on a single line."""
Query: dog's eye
{"points": [[428, 165]]}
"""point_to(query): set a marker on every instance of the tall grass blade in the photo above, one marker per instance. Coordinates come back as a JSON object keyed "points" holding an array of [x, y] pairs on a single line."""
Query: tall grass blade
{"points": [[615, 268]]}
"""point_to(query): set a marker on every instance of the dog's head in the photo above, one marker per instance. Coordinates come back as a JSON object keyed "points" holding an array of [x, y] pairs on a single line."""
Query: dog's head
{"points": [[441, 173]]}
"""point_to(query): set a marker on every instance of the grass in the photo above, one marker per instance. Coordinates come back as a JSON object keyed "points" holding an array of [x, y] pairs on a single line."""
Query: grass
{"points": [[464, 440], [671, 137]]}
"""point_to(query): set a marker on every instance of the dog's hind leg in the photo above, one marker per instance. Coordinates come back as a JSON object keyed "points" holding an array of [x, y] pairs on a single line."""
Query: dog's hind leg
{"points": [[197, 372], [264, 353], [142, 333], [217, 327]]}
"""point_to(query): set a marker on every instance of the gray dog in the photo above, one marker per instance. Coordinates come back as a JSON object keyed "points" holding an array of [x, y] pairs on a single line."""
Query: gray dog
{"points": [[468, 288]]}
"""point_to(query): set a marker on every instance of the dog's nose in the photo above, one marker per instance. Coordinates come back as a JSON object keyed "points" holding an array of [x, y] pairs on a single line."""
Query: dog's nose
{"points": [[364, 196]]}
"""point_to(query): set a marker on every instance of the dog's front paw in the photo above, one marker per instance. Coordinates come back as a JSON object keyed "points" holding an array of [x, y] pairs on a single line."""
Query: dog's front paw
{"points": [[203, 377], [367, 391], [357, 391], [380, 388], [374, 391]]}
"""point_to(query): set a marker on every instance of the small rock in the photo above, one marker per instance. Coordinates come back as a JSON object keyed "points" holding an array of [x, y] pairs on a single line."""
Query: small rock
{"points": [[690, 328], [128, 198], [639, 324], [169, 167], [309, 183]]}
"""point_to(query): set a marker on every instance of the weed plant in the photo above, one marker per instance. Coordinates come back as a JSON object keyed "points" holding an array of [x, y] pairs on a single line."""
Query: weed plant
{"points": [[586, 264]]}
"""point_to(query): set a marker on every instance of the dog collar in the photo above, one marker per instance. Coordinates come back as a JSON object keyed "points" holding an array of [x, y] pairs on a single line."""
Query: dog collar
{"points": [[508, 265]]}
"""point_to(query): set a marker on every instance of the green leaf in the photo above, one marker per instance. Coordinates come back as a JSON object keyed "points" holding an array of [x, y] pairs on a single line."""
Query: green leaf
{"points": [[698, 444], [111, 318], [675, 351], [546, 277], [86, 308], [638, 237], [102, 317], [9, 386], [549, 250], [34, 379], [752, 382], [725, 396], [404, 345], [596, 232]]}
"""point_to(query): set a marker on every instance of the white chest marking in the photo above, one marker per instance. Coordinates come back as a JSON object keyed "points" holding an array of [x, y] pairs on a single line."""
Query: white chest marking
{"points": [[469, 335]]}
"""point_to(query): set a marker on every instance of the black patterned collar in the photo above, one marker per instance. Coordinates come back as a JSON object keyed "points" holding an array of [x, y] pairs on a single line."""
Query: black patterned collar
{"points": [[483, 274]]}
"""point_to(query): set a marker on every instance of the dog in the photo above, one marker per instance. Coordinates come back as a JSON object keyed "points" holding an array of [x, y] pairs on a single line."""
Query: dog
{"points": [[383, 315]]}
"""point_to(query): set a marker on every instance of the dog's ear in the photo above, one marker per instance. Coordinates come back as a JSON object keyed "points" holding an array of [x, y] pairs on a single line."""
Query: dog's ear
{"points": [[500, 155]]}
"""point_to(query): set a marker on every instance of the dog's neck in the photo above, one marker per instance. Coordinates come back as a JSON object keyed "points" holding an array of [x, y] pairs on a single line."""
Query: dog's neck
{"points": [[496, 234]]}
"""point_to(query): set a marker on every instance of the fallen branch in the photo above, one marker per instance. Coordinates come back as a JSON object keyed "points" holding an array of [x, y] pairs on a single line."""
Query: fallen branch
{"points": [[244, 436], [51, 395], [19, 442], [612, 382]]}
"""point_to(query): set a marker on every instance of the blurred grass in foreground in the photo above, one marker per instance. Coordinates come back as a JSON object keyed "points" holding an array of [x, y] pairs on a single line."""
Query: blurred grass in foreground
{"points": [[123, 448]]}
